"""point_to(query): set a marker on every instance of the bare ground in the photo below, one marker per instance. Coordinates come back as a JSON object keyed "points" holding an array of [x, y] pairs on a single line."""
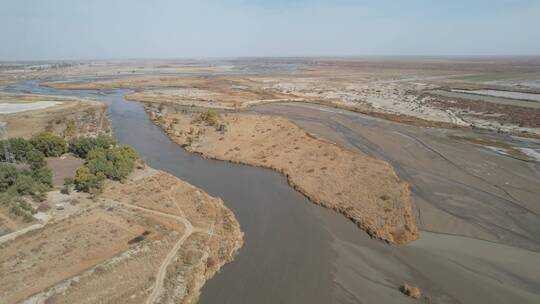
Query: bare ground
{"points": [[145, 229]]}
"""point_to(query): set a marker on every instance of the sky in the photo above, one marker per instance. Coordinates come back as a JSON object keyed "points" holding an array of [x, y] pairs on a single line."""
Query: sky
{"points": [[116, 29]]}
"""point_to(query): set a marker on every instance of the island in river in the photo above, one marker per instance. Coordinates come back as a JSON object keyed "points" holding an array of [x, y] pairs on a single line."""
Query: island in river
{"points": [[327, 174]]}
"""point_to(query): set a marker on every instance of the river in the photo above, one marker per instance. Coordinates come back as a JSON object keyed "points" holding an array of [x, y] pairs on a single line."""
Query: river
{"points": [[297, 252]]}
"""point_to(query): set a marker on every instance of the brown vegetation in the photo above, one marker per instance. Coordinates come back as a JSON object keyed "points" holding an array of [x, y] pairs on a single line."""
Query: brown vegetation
{"points": [[364, 189], [411, 291]]}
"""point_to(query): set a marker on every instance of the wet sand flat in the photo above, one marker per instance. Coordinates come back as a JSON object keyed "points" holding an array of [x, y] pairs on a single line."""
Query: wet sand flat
{"points": [[458, 188]]}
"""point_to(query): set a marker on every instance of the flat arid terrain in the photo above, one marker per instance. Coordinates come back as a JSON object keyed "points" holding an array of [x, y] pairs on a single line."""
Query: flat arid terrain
{"points": [[24, 115], [427, 169]]}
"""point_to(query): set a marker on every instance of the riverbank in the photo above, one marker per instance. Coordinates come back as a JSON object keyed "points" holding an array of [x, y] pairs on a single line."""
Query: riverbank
{"points": [[165, 237]]}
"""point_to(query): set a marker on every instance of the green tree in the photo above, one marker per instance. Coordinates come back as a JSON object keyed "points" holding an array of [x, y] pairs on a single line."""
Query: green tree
{"points": [[36, 159], [8, 175], [115, 163], [42, 175], [20, 148], [24, 184], [81, 146], [49, 144]]}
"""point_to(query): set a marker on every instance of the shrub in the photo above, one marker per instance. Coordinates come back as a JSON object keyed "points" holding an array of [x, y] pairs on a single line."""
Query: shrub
{"points": [[221, 128], [209, 117], [49, 144], [68, 183], [70, 129]]}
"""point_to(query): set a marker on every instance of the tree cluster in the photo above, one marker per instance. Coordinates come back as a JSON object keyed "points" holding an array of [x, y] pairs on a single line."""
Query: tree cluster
{"points": [[114, 163], [29, 175]]}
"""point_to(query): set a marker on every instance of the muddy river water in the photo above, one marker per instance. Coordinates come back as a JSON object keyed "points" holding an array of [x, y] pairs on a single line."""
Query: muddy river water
{"points": [[296, 252]]}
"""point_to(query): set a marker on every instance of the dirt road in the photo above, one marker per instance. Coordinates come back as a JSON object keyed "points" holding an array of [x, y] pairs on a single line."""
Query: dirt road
{"points": [[189, 230]]}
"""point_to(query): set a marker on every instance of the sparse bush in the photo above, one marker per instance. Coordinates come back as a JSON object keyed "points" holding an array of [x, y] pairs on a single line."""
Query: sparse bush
{"points": [[209, 117], [68, 184], [70, 130], [411, 291], [221, 128]]}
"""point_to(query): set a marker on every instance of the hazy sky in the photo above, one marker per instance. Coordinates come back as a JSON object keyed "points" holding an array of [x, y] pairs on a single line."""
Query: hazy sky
{"points": [[91, 29]]}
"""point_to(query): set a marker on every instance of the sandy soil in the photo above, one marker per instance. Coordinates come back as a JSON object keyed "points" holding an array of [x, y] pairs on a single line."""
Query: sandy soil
{"points": [[130, 229], [62, 167], [363, 189]]}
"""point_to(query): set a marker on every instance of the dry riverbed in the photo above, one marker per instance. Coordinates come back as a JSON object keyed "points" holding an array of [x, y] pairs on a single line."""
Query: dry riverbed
{"points": [[364, 189]]}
